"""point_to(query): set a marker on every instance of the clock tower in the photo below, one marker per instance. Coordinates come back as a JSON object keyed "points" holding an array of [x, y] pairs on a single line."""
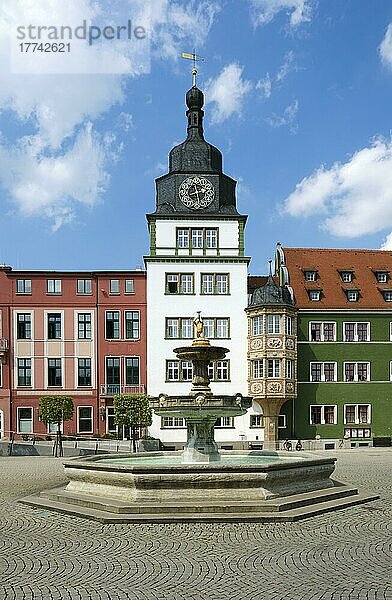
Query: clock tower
{"points": [[196, 263]]}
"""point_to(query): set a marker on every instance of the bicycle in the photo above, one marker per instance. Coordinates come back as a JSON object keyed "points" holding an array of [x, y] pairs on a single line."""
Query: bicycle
{"points": [[287, 445]]}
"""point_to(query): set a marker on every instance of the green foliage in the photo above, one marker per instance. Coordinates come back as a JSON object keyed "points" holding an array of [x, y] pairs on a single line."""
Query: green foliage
{"points": [[132, 410], [55, 409]]}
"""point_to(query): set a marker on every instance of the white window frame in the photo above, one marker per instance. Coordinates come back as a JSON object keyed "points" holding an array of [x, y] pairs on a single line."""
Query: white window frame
{"points": [[81, 286], [56, 287], [352, 295], [92, 419], [274, 324], [382, 276], [289, 371], [387, 295], [132, 356], [258, 373], [356, 363], [322, 420], [322, 363], [357, 421], [175, 423], [314, 295], [119, 324], [310, 275], [18, 408], [138, 320], [346, 276], [258, 325], [114, 287], [277, 373], [288, 325], [256, 417], [284, 418], [129, 286], [224, 423], [356, 323], [26, 284], [322, 337]]}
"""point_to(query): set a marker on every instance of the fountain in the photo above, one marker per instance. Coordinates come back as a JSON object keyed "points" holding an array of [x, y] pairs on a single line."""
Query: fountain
{"points": [[200, 484]]}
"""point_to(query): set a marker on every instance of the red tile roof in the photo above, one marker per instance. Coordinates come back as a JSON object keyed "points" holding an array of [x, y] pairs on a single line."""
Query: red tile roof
{"points": [[329, 263]]}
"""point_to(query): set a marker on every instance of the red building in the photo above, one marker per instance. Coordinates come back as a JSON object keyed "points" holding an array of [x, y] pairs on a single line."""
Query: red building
{"points": [[70, 333]]}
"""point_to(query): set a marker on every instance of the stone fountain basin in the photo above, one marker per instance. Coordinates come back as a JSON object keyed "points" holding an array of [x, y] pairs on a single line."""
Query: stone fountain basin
{"points": [[271, 475]]}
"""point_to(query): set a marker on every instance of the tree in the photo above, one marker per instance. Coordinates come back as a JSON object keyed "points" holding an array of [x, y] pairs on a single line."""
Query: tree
{"points": [[132, 410], [56, 409]]}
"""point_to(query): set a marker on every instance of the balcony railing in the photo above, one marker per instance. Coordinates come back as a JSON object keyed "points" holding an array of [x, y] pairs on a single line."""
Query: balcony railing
{"points": [[3, 344], [111, 389]]}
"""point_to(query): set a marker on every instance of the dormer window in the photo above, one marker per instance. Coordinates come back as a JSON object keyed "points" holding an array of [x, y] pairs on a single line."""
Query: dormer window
{"points": [[346, 276], [310, 275], [352, 295], [382, 276], [387, 295], [314, 295]]}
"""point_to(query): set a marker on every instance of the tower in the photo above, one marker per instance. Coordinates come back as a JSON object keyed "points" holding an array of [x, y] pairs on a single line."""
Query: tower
{"points": [[196, 263]]}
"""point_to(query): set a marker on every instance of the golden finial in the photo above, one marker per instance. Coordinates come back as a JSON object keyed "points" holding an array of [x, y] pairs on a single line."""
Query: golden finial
{"points": [[195, 57]]}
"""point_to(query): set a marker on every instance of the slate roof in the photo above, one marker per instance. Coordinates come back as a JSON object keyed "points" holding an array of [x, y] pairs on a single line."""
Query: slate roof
{"points": [[329, 263]]}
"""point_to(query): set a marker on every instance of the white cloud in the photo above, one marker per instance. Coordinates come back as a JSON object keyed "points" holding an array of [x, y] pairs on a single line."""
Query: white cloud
{"points": [[227, 92], [265, 86], [354, 198], [287, 66], [179, 23], [387, 243], [385, 47], [264, 11], [286, 119], [53, 184]]}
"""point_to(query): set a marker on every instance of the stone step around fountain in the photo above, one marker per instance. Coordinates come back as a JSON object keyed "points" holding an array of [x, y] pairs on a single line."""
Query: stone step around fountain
{"points": [[290, 508]]}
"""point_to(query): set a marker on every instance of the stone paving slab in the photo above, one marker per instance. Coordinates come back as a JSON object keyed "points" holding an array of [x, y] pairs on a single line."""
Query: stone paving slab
{"points": [[344, 555]]}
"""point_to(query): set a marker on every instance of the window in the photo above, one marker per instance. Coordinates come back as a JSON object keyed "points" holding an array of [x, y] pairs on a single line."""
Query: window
{"points": [[52, 427], [387, 295], [310, 275], [288, 329], [172, 422], [273, 367], [54, 372], [208, 328], [219, 370], [172, 328], [282, 421], [85, 419], [357, 371], [84, 286], [179, 283], [113, 325], [172, 370], [53, 286], [132, 376], [356, 414], [23, 286], [211, 238], [382, 276], [224, 422], [197, 238], [183, 238], [256, 421], [322, 332], [356, 332], [132, 324], [258, 368], [258, 325], [346, 276], [314, 295], [357, 432], [222, 328], [289, 368], [24, 371], [113, 374], [23, 326], [352, 295], [215, 283], [129, 286], [186, 328], [25, 419], [54, 326], [179, 370], [320, 371], [114, 287], [84, 326], [273, 323], [84, 371], [323, 414]]}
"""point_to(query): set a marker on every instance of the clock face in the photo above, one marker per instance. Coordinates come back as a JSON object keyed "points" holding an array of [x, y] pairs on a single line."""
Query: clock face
{"points": [[196, 192]]}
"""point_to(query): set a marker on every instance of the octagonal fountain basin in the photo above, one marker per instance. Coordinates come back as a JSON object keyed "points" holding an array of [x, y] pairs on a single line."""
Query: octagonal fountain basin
{"points": [[162, 477]]}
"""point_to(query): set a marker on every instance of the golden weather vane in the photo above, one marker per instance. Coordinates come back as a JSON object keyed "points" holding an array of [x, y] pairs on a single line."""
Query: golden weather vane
{"points": [[195, 57]]}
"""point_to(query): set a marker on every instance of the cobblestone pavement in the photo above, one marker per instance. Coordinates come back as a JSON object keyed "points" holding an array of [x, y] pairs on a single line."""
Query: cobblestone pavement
{"points": [[343, 555]]}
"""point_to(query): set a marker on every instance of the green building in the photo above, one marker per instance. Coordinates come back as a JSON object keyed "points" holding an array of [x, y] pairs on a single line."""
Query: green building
{"points": [[344, 342]]}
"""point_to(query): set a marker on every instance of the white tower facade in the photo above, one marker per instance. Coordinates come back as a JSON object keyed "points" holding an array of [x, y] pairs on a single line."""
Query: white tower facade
{"points": [[196, 263]]}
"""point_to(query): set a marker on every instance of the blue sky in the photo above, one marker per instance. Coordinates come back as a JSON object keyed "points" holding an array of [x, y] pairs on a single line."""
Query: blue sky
{"points": [[298, 99]]}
